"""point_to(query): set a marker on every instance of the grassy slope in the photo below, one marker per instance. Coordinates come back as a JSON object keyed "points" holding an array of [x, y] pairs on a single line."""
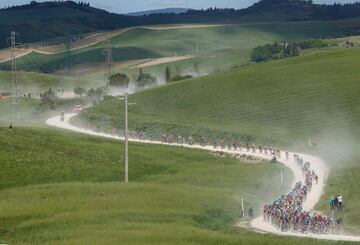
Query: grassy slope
{"points": [[291, 97], [310, 96], [71, 192], [344, 179], [33, 82], [140, 43]]}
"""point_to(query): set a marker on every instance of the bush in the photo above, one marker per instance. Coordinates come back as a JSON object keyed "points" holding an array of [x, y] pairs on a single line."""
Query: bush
{"points": [[145, 79], [180, 78], [277, 51], [119, 80], [261, 53], [79, 91], [315, 43]]}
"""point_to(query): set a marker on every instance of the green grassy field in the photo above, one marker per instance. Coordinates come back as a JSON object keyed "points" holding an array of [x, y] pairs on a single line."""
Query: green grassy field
{"points": [[282, 102], [344, 179], [294, 98], [71, 191]]}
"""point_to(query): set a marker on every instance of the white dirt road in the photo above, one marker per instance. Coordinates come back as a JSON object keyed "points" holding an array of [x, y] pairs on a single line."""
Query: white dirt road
{"points": [[317, 164], [163, 60]]}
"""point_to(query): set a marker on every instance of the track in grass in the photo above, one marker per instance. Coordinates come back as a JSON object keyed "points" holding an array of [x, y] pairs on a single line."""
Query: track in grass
{"points": [[313, 197]]}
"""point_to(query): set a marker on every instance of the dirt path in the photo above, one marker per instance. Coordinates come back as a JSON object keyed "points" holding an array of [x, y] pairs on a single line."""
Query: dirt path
{"points": [[5, 54], [317, 164], [159, 61]]}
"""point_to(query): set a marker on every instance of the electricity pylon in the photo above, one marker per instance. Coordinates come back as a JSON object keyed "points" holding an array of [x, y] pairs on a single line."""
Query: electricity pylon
{"points": [[15, 106], [108, 56], [68, 57]]}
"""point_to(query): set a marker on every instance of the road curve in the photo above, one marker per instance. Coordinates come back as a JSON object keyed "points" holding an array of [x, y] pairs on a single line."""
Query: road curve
{"points": [[317, 164]]}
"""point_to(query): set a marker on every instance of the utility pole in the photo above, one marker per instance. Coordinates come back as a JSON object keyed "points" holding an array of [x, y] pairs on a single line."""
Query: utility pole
{"points": [[108, 55], [126, 156], [242, 207], [14, 85], [126, 140]]}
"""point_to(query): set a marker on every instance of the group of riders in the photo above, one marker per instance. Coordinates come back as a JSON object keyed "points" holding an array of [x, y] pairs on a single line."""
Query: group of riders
{"points": [[286, 212], [223, 143]]}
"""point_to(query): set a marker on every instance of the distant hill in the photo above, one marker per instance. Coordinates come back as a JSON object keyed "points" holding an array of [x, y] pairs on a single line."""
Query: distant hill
{"points": [[46, 20], [160, 11]]}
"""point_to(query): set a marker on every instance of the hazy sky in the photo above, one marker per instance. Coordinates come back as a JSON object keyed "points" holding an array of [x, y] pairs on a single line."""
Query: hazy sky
{"points": [[125, 6]]}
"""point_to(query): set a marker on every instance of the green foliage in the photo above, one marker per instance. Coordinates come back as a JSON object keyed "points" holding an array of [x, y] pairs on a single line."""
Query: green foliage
{"points": [[145, 79], [278, 51], [119, 80], [262, 53], [313, 43], [79, 91], [275, 51], [177, 78], [167, 74]]}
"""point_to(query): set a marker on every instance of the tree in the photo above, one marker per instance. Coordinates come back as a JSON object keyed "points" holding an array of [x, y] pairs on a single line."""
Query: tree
{"points": [[196, 68], [167, 74], [79, 91], [145, 79], [119, 80]]}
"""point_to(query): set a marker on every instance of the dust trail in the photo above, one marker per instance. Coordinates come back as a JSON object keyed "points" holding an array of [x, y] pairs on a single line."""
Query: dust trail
{"points": [[317, 164]]}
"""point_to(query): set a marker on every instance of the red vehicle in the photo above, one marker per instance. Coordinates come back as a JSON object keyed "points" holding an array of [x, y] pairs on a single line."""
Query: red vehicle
{"points": [[77, 109]]}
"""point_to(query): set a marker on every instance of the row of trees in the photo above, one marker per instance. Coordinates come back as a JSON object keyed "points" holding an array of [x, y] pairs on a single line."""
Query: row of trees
{"points": [[122, 80], [50, 4], [174, 78], [146, 79], [283, 50]]}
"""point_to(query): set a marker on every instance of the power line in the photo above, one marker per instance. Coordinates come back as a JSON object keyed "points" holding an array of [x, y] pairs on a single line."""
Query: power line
{"points": [[68, 58], [108, 55], [15, 105]]}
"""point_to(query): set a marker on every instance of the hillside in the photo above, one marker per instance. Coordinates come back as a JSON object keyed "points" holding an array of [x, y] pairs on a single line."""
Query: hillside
{"points": [[72, 192], [40, 21], [292, 98], [282, 102], [166, 41]]}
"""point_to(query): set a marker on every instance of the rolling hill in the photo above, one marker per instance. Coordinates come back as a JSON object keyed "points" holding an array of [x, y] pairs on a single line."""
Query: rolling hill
{"points": [[282, 102], [72, 192], [167, 41], [291, 98], [41, 21]]}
